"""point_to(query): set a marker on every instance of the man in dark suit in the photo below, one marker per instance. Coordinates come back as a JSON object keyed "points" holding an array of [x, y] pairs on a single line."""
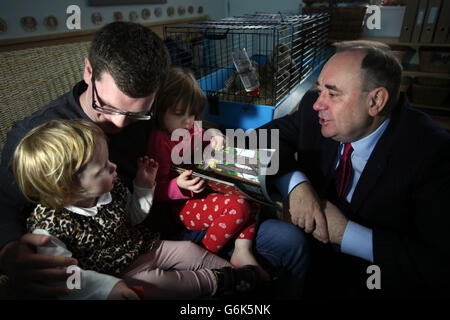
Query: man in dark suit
{"points": [[372, 178]]}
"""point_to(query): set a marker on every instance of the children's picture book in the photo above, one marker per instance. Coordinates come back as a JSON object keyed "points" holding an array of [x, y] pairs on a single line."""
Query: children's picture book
{"points": [[236, 171]]}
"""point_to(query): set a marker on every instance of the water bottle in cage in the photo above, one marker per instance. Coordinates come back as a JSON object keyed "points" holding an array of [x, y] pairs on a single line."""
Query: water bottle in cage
{"points": [[246, 71]]}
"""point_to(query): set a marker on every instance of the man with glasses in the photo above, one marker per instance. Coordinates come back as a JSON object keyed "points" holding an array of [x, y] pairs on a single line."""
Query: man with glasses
{"points": [[127, 64], [103, 108]]}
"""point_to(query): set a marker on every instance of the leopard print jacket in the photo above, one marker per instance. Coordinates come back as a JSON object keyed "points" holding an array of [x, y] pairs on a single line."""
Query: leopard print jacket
{"points": [[106, 242]]}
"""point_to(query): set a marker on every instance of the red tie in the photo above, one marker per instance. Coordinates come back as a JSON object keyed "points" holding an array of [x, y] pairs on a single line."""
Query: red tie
{"points": [[343, 171]]}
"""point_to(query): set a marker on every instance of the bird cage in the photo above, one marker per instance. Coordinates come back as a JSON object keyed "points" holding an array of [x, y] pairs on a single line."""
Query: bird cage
{"points": [[283, 49]]}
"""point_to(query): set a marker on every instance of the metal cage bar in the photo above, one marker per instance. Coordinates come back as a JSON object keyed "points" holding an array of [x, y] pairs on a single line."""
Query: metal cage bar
{"points": [[284, 50]]}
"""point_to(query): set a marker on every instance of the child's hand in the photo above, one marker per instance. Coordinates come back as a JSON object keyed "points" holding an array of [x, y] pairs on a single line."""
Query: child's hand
{"points": [[121, 292], [185, 181], [146, 173]]}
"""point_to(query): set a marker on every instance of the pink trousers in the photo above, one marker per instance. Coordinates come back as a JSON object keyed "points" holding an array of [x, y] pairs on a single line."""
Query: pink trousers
{"points": [[175, 270]]}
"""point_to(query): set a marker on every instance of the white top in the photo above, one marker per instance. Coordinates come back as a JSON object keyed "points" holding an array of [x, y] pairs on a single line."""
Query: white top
{"points": [[95, 285]]}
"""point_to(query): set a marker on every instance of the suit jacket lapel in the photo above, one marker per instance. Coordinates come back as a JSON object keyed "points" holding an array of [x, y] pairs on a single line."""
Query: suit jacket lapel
{"points": [[376, 164], [330, 149], [369, 177]]}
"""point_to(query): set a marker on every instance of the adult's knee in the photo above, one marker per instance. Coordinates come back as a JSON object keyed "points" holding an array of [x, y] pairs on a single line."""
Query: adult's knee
{"points": [[285, 243], [284, 234]]}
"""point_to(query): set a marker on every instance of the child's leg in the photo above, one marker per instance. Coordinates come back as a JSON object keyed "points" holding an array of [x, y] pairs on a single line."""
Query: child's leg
{"points": [[235, 213], [193, 277], [242, 254], [228, 217], [223, 215]]}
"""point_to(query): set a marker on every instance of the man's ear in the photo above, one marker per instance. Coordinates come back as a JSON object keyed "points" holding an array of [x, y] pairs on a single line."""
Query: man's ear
{"points": [[377, 100], [87, 75]]}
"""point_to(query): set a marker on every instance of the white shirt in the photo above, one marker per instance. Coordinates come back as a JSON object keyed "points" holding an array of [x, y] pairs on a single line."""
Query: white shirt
{"points": [[357, 239], [95, 285]]}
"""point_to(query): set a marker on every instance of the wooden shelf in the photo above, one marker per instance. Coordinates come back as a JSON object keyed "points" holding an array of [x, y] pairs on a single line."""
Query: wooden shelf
{"points": [[440, 114], [414, 71], [395, 41]]}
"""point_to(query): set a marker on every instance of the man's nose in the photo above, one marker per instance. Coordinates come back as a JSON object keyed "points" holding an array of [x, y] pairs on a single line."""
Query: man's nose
{"points": [[120, 121], [319, 104]]}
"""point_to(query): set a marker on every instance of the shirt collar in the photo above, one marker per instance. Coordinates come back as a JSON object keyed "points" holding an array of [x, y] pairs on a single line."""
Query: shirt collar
{"points": [[363, 148], [91, 212]]}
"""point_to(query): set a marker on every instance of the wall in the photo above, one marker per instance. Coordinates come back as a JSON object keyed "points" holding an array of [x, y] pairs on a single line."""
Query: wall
{"points": [[239, 7], [11, 11]]}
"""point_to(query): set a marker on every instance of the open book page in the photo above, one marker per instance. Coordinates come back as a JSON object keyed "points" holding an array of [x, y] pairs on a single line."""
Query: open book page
{"points": [[234, 171], [243, 164]]}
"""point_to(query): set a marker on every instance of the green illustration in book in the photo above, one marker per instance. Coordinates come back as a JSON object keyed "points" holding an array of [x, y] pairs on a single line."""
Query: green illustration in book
{"points": [[236, 171]]}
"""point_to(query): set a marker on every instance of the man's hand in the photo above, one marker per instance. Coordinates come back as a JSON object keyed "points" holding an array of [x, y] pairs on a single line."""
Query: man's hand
{"points": [[121, 292], [30, 273], [146, 173], [185, 181], [306, 211], [336, 221]]}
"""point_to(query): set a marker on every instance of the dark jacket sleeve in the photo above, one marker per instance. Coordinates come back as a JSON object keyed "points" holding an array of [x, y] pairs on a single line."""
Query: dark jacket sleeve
{"points": [[417, 255]]}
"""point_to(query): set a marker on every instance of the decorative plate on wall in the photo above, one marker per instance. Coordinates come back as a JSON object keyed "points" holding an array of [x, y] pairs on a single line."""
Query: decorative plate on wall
{"points": [[170, 11], [191, 9], [145, 13], [3, 26], [181, 10], [29, 23], [134, 16], [158, 12], [200, 9], [51, 22], [96, 18], [122, 2], [118, 16]]}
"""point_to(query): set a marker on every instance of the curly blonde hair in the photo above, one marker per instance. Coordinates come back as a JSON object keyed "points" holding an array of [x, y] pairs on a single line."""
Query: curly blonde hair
{"points": [[49, 158]]}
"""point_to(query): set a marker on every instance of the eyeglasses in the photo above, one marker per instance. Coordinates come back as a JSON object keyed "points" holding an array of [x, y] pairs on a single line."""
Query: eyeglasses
{"points": [[114, 111]]}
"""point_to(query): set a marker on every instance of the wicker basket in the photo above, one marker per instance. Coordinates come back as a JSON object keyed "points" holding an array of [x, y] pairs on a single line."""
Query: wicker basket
{"points": [[31, 78]]}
